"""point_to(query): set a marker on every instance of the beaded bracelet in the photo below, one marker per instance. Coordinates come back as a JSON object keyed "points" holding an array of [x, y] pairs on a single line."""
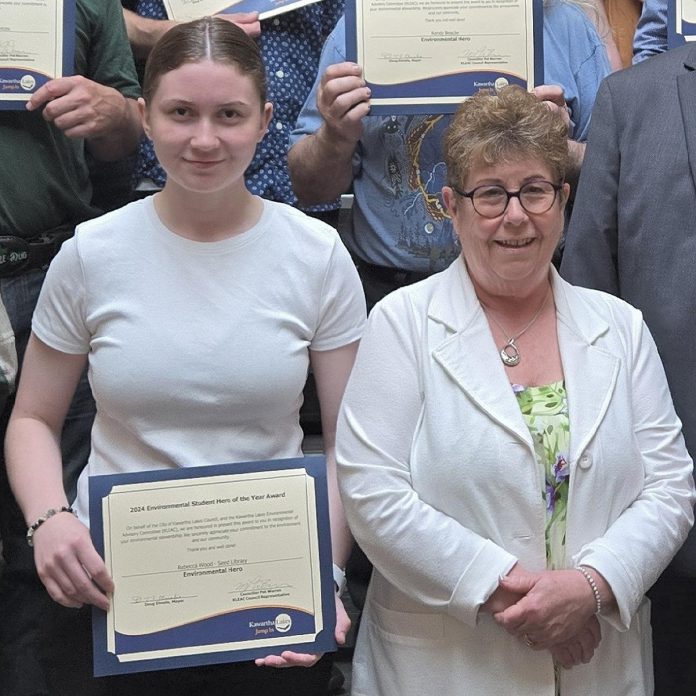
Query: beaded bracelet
{"points": [[339, 576], [46, 516], [593, 586]]}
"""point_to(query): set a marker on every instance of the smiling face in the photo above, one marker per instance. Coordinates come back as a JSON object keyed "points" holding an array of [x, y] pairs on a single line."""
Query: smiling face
{"points": [[205, 120], [508, 255]]}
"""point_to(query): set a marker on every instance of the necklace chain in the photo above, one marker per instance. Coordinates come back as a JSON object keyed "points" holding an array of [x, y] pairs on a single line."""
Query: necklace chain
{"points": [[510, 353]]}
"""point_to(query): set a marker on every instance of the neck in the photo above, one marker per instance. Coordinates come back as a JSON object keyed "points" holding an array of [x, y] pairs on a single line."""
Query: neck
{"points": [[207, 217], [516, 307]]}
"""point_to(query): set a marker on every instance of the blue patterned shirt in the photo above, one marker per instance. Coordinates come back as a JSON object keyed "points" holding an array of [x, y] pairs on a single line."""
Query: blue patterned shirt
{"points": [[291, 44]]}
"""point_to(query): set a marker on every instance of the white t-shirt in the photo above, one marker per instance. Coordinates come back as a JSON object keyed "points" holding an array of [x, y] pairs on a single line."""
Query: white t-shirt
{"points": [[198, 351]]}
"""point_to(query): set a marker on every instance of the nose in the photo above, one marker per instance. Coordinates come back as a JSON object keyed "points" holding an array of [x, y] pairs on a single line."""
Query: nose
{"points": [[204, 136], [515, 214]]}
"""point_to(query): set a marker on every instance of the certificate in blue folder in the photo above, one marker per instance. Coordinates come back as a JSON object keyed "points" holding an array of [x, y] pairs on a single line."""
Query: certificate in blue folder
{"points": [[426, 56], [213, 564], [37, 44]]}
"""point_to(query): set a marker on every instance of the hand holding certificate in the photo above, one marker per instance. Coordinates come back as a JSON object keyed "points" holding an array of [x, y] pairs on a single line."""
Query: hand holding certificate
{"points": [[185, 10], [36, 45], [425, 57], [213, 564]]}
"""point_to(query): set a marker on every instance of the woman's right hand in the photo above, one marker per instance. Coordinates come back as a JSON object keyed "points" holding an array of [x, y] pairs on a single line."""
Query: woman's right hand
{"points": [[69, 566], [580, 648]]}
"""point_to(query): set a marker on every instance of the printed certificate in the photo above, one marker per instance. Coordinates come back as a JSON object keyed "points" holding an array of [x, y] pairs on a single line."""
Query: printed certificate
{"points": [[184, 10], [37, 42], [681, 22], [425, 56], [213, 564]]}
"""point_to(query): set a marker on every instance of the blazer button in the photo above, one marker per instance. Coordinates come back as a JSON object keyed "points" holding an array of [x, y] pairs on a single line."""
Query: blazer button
{"points": [[585, 461]]}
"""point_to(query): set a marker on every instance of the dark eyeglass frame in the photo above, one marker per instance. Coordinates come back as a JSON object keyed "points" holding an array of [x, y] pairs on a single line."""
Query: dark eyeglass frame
{"points": [[510, 194]]}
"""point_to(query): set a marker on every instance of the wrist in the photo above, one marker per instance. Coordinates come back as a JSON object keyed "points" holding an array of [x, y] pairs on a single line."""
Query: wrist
{"points": [[51, 512], [591, 579], [339, 577]]}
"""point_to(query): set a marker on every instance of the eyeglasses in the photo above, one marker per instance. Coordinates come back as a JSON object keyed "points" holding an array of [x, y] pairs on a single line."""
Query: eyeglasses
{"points": [[491, 200]]}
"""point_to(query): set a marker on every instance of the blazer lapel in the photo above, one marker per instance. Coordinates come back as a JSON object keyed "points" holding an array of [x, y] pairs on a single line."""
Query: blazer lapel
{"points": [[686, 88], [468, 354], [590, 372]]}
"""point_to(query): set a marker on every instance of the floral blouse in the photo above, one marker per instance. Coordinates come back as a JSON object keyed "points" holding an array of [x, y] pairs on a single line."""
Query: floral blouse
{"points": [[545, 410]]}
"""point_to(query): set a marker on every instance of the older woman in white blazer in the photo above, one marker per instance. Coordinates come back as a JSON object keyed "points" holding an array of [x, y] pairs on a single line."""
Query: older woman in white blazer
{"points": [[509, 456]]}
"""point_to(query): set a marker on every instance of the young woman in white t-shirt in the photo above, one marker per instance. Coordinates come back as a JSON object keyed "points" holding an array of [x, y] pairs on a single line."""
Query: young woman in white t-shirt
{"points": [[198, 312]]}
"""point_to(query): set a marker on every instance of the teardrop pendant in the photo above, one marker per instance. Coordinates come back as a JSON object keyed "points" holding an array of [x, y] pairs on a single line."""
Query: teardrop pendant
{"points": [[509, 354]]}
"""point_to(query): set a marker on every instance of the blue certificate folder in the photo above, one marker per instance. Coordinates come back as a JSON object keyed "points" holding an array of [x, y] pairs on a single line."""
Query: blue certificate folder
{"points": [[679, 29], [226, 627], [21, 80], [435, 93]]}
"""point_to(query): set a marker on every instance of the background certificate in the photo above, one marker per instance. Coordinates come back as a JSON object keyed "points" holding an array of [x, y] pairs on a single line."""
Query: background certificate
{"points": [[213, 564], [681, 22], [37, 39], [425, 56], [185, 10]]}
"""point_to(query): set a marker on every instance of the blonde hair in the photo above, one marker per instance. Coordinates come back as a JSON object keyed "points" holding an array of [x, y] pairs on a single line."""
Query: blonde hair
{"points": [[511, 124]]}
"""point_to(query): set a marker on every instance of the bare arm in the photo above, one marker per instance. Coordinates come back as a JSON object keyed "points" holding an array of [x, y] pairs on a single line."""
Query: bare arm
{"points": [[321, 164], [65, 558], [82, 108], [331, 370], [144, 32]]}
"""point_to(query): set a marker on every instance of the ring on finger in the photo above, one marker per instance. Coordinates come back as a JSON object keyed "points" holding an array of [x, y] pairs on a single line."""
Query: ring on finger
{"points": [[528, 641]]}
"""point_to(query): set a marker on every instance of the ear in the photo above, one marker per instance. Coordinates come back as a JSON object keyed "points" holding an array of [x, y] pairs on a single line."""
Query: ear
{"points": [[142, 110], [565, 194], [449, 198], [266, 118]]}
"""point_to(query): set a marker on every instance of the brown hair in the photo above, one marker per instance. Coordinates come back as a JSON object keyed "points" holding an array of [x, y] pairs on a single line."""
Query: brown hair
{"points": [[209, 38], [512, 124]]}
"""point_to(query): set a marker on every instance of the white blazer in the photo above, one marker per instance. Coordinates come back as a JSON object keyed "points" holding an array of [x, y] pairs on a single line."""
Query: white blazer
{"points": [[443, 492]]}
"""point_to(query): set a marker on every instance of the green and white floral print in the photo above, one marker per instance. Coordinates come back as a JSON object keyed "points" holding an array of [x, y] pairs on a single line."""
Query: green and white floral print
{"points": [[545, 410]]}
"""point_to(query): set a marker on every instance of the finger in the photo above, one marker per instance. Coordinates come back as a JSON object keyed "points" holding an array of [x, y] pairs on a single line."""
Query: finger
{"points": [[551, 93], [340, 95], [345, 69], [562, 657], [85, 590], [342, 622], [53, 89], [60, 589], [288, 659], [519, 584]]}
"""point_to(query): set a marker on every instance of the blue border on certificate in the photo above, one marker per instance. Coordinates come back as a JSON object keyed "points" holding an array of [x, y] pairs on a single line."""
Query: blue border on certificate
{"points": [[207, 632], [461, 84], [41, 79], [679, 31]]}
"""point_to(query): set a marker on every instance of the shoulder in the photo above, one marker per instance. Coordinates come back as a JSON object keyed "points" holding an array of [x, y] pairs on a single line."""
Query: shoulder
{"points": [[591, 309], [659, 70], [300, 233], [114, 232]]}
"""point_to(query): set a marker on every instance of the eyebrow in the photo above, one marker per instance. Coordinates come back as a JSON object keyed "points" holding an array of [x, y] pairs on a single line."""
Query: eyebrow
{"points": [[186, 102]]}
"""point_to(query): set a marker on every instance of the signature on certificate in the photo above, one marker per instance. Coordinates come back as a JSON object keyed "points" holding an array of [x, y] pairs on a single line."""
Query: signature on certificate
{"points": [[402, 57], [158, 600], [482, 55], [258, 584], [8, 48]]}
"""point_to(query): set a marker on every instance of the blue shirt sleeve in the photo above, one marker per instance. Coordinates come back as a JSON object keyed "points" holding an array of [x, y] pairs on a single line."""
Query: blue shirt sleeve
{"points": [[334, 51], [651, 32], [575, 58]]}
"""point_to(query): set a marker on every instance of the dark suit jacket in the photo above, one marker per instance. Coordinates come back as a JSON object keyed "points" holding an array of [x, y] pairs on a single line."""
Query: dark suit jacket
{"points": [[633, 229]]}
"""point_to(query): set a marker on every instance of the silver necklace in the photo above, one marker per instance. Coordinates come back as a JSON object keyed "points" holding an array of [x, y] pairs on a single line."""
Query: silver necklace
{"points": [[510, 353]]}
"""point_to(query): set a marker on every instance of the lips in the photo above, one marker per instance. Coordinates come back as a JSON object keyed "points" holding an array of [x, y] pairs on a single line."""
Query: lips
{"points": [[514, 243]]}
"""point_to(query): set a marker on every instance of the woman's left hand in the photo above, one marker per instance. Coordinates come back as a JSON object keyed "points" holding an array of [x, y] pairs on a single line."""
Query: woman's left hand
{"points": [[288, 658], [556, 606]]}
